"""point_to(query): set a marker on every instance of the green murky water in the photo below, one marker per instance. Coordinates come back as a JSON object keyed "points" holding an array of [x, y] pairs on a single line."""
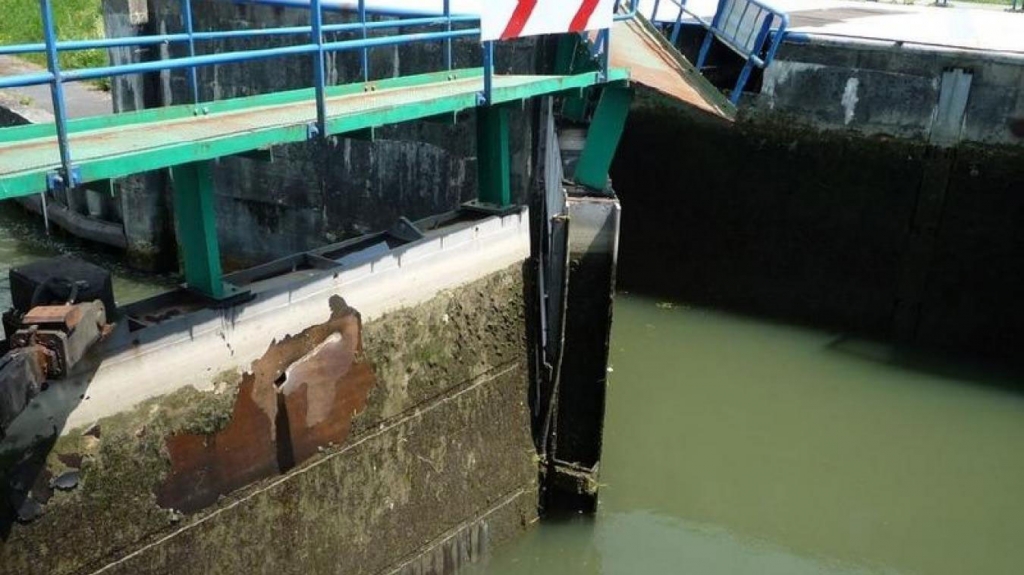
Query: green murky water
{"points": [[738, 447], [23, 240]]}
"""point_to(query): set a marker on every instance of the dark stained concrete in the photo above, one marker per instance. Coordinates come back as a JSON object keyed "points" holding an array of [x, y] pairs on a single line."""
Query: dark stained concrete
{"points": [[435, 465], [785, 221]]}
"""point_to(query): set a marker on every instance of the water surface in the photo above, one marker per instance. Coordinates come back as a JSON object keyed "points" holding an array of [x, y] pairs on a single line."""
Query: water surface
{"points": [[23, 240], [735, 446]]}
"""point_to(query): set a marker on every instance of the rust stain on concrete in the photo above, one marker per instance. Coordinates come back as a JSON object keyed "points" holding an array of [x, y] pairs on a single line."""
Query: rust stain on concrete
{"points": [[325, 384], [204, 467], [299, 397]]}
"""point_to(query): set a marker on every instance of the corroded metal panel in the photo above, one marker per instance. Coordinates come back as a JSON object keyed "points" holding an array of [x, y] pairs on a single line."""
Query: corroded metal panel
{"points": [[575, 452], [298, 398], [651, 61]]}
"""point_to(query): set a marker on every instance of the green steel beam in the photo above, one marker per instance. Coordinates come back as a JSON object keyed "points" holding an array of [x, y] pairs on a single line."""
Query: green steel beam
{"points": [[603, 137], [493, 157], [571, 57], [173, 125], [565, 53], [574, 107], [197, 227]]}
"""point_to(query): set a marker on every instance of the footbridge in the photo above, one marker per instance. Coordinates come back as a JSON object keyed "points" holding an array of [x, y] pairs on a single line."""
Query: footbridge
{"points": [[59, 157]]}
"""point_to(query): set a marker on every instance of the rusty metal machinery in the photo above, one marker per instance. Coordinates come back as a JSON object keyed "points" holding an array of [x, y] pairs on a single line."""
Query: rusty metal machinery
{"points": [[63, 333], [49, 337]]}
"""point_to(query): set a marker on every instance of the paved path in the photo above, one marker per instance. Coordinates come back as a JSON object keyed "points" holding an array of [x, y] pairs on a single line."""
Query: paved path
{"points": [[961, 25], [82, 99]]}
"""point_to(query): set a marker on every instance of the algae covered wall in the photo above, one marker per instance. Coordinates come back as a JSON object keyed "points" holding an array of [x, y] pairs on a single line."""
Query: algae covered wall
{"points": [[401, 444], [834, 229]]}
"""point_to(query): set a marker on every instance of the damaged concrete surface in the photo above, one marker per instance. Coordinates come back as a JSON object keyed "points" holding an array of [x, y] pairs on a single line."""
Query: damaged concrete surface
{"points": [[300, 396], [397, 444]]}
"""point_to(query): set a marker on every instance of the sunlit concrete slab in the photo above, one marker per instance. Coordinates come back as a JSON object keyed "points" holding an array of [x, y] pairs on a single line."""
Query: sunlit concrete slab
{"points": [[974, 27]]}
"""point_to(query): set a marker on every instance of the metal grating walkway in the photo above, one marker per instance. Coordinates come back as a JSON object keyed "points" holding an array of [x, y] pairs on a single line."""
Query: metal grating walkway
{"points": [[113, 147]]}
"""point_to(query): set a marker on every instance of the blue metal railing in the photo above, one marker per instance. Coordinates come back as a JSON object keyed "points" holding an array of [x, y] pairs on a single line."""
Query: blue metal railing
{"points": [[751, 28], [454, 26]]}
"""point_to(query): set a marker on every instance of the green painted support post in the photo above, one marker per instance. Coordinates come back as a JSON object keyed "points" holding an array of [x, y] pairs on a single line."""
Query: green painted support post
{"points": [[603, 137], [197, 227], [568, 60], [493, 157]]}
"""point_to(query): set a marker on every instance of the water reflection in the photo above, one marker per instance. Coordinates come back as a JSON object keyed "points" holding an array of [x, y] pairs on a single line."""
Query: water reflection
{"points": [[23, 240]]}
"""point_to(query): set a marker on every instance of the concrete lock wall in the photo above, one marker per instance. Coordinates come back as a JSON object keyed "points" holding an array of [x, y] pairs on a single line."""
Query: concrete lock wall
{"points": [[839, 228], [869, 187], [885, 89], [366, 420], [319, 192]]}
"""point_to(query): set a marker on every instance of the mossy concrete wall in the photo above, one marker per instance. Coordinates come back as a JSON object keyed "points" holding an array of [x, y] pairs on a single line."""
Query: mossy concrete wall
{"points": [[781, 220], [434, 464]]}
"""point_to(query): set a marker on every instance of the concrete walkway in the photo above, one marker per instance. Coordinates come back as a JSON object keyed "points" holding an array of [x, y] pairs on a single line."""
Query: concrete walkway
{"points": [[82, 99], [961, 25]]}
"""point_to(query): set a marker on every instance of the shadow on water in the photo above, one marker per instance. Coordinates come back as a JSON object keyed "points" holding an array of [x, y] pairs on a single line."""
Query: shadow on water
{"points": [[955, 366], [562, 544], [960, 367]]}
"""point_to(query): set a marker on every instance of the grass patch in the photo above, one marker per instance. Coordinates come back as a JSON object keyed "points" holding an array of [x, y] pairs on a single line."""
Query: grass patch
{"points": [[21, 23], [1007, 3]]}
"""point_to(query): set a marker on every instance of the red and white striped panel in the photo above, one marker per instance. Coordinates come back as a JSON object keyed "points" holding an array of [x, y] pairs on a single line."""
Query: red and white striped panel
{"points": [[505, 19]]}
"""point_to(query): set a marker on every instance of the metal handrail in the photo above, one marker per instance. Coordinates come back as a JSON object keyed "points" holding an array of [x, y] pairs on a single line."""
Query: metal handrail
{"points": [[754, 47], [66, 177]]}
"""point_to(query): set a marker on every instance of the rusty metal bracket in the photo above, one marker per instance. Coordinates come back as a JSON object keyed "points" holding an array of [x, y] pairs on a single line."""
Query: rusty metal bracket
{"points": [[59, 181]]}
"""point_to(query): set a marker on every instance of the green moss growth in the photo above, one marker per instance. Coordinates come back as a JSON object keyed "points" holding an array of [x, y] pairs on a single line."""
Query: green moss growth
{"points": [[114, 505]]}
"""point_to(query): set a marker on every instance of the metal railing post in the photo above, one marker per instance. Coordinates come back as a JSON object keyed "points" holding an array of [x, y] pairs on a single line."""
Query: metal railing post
{"points": [[46, 212], [678, 26], [741, 81], [317, 25], [485, 98], [448, 42], [193, 75], [366, 51], [66, 179], [777, 38], [709, 35], [606, 44]]}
